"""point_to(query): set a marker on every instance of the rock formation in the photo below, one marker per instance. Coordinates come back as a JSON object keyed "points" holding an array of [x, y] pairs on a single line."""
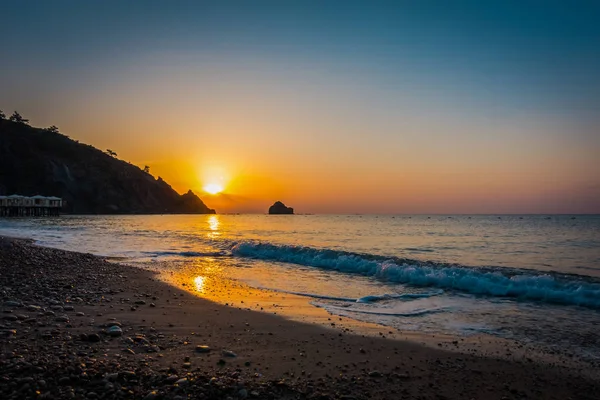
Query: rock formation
{"points": [[280, 208]]}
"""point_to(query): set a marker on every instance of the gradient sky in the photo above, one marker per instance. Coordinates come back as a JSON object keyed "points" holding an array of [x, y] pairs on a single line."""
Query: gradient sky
{"points": [[330, 106]]}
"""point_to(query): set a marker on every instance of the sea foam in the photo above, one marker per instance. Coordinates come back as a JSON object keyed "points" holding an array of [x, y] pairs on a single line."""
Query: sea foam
{"points": [[500, 282]]}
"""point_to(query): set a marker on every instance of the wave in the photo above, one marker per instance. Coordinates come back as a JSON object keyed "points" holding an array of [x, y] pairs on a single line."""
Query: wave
{"points": [[382, 312], [396, 296], [500, 282], [365, 299]]}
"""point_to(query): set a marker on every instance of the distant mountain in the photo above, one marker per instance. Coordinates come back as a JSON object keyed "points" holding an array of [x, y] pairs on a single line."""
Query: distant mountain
{"points": [[40, 161]]}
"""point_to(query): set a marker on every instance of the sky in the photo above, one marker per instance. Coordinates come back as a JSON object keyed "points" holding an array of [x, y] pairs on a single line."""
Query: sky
{"points": [[328, 106]]}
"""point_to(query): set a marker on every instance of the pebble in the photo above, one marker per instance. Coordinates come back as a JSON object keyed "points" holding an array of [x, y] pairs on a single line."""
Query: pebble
{"points": [[151, 396], [112, 377], [114, 331], [62, 318], [152, 349], [93, 337], [141, 339], [228, 353], [11, 303], [202, 349], [128, 341], [128, 374]]}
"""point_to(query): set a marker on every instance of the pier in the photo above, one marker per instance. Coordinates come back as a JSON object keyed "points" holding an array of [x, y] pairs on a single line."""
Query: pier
{"points": [[35, 206]]}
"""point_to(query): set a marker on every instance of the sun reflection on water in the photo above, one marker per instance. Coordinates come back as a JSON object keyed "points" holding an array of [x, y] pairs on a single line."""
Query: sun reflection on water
{"points": [[213, 224]]}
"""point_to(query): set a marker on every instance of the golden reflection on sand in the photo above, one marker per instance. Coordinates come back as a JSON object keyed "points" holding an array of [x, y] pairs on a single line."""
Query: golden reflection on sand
{"points": [[199, 282], [205, 278]]}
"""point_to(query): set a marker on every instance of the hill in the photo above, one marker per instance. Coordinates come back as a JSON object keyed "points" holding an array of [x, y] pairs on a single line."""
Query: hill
{"points": [[41, 161]]}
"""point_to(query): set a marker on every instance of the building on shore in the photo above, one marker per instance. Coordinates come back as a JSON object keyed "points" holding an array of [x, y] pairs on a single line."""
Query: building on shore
{"points": [[35, 206]]}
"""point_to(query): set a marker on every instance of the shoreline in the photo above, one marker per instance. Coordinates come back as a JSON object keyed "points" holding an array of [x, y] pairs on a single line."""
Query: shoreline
{"points": [[56, 304], [297, 308]]}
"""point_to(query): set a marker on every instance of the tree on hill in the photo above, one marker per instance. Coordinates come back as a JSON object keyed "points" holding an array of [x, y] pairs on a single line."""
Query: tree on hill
{"points": [[2, 115], [16, 117], [53, 129], [111, 153], [146, 169]]}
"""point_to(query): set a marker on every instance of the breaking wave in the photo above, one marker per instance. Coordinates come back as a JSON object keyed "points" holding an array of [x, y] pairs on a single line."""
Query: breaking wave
{"points": [[500, 282]]}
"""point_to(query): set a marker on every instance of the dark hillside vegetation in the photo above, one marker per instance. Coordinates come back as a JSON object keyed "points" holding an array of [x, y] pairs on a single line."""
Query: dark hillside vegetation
{"points": [[46, 162]]}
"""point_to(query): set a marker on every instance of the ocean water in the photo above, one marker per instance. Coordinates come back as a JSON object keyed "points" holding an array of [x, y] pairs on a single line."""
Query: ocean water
{"points": [[531, 278]]}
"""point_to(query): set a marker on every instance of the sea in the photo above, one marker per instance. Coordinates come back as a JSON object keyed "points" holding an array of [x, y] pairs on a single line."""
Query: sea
{"points": [[534, 279]]}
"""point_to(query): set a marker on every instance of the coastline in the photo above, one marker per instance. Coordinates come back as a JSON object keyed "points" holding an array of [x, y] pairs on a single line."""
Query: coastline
{"points": [[56, 304], [299, 308]]}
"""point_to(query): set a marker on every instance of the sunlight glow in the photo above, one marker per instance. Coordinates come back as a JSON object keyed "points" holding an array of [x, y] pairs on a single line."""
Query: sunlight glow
{"points": [[213, 188], [199, 283]]}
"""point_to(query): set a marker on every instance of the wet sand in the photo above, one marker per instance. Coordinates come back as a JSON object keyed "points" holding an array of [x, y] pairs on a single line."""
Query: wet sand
{"points": [[202, 281], [58, 340]]}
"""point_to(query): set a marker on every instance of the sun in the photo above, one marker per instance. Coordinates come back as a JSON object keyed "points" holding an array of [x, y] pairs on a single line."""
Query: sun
{"points": [[213, 188]]}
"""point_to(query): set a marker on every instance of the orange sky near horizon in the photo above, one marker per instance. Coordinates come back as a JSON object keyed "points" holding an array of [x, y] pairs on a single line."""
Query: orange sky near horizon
{"points": [[326, 177]]}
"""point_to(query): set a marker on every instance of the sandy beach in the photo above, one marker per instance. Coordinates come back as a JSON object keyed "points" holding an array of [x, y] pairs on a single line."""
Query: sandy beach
{"points": [[76, 326]]}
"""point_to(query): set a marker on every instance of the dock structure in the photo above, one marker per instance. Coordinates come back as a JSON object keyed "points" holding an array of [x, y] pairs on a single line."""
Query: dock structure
{"points": [[35, 206]]}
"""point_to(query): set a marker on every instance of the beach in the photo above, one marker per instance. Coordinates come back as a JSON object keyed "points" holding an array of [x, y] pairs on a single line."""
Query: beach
{"points": [[300, 200], [60, 309]]}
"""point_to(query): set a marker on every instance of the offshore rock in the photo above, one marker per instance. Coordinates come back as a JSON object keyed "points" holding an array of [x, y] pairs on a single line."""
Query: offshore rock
{"points": [[280, 208]]}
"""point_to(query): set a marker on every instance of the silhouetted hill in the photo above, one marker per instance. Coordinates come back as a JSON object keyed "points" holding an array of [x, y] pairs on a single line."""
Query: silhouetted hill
{"points": [[37, 161]]}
